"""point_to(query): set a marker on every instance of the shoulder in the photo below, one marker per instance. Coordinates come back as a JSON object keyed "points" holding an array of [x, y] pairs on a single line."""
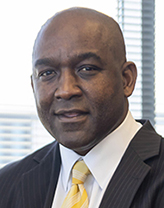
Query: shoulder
{"points": [[152, 188], [149, 148], [16, 169], [12, 175]]}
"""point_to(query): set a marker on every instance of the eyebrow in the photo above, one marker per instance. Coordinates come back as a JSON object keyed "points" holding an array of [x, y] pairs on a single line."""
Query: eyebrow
{"points": [[44, 61], [89, 55], [80, 57]]}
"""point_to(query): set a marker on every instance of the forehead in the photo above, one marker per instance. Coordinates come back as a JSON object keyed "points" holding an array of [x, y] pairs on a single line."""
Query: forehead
{"points": [[72, 33]]}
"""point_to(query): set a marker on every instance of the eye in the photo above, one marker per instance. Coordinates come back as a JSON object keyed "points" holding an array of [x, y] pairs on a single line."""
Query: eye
{"points": [[88, 71], [47, 74]]}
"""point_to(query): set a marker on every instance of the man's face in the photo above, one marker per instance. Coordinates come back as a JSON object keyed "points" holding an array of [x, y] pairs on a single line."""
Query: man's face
{"points": [[77, 84]]}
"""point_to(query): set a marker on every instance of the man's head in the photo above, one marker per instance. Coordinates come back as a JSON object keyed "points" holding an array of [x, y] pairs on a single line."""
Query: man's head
{"points": [[81, 79]]}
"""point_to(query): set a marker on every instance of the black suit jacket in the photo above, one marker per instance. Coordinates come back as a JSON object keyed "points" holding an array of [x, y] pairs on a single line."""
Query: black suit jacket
{"points": [[138, 181]]}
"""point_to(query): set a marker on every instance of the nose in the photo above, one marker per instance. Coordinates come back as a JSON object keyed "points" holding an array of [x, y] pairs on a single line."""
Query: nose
{"points": [[68, 86]]}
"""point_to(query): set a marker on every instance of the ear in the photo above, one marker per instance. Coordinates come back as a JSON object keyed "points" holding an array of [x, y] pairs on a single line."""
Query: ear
{"points": [[32, 84], [129, 75]]}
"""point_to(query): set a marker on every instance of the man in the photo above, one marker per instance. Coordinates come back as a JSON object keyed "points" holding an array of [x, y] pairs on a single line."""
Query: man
{"points": [[81, 83]]}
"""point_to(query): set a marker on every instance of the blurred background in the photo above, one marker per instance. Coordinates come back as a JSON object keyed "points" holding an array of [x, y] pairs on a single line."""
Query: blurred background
{"points": [[142, 24]]}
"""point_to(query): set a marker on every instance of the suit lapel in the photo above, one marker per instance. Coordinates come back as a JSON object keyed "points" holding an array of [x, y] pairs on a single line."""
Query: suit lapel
{"points": [[125, 182], [39, 184], [53, 179], [132, 169]]}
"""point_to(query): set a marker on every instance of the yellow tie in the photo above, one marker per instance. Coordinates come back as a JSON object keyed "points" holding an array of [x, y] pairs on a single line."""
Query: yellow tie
{"points": [[77, 196]]}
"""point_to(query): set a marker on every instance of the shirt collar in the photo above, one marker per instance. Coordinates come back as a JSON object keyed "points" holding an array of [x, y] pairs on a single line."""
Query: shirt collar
{"points": [[111, 148], [68, 158]]}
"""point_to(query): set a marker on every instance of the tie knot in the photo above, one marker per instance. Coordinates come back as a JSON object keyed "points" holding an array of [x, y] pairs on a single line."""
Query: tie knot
{"points": [[79, 172]]}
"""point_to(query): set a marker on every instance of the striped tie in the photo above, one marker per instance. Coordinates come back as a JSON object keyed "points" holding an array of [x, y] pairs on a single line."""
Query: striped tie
{"points": [[77, 196]]}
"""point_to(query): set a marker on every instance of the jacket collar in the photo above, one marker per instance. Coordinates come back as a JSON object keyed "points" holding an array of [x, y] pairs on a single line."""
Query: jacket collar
{"points": [[146, 142]]}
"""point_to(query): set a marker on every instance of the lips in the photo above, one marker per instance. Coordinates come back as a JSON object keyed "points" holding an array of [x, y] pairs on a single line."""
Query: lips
{"points": [[71, 115]]}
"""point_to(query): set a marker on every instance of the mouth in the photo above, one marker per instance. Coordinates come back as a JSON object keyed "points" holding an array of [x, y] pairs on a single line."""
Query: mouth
{"points": [[71, 115]]}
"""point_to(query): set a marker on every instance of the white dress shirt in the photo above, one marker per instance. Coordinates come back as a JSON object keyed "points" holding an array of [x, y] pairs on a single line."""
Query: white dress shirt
{"points": [[102, 162]]}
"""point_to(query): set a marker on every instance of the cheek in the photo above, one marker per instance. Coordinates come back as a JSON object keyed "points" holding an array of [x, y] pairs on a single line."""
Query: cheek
{"points": [[43, 96], [106, 98], [103, 90]]}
